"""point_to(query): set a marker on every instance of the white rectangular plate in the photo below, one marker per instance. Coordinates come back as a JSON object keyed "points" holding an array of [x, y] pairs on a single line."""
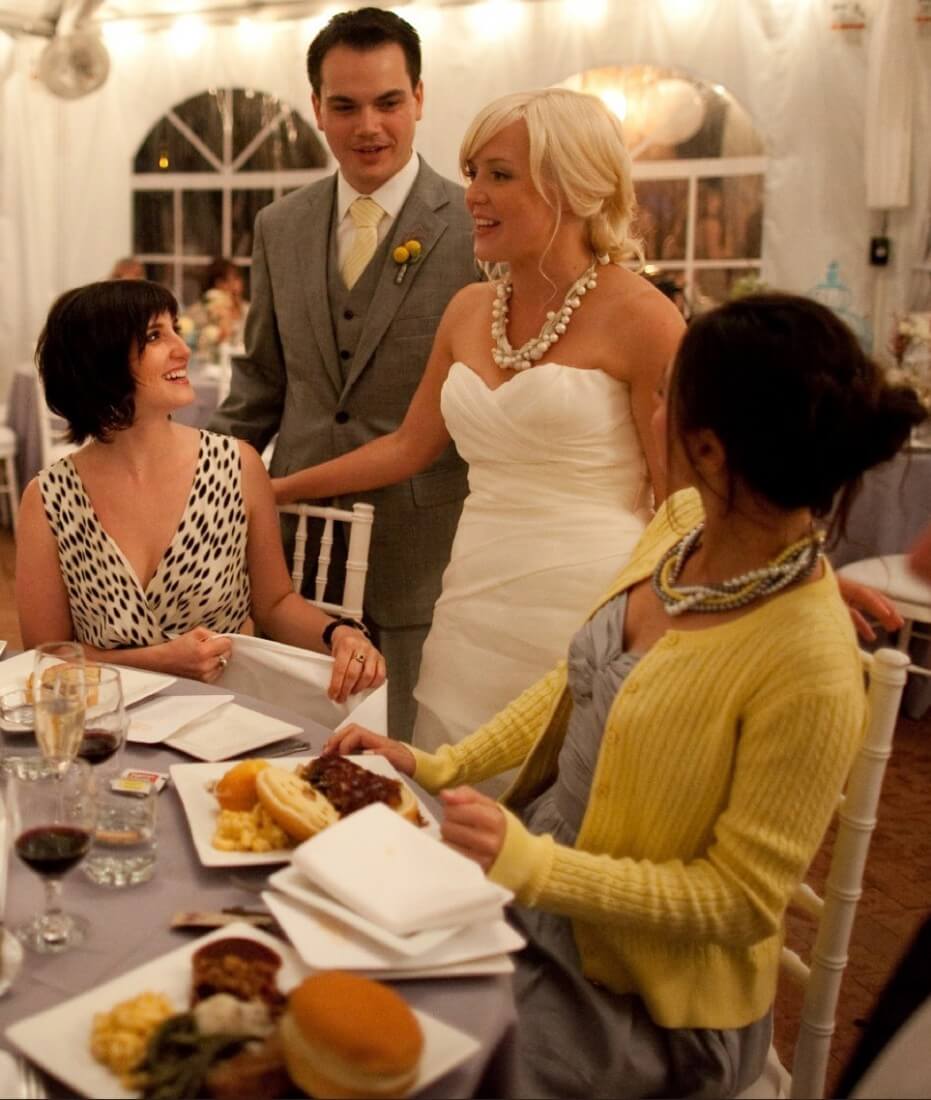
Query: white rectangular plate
{"points": [[290, 881], [228, 731], [324, 942], [201, 808], [137, 683], [69, 1059], [155, 721]]}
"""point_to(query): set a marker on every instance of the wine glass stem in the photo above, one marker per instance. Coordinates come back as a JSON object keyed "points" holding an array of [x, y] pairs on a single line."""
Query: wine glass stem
{"points": [[52, 917]]}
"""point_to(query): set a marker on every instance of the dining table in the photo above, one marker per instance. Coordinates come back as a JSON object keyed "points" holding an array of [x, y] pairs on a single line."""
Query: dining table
{"points": [[131, 925]]}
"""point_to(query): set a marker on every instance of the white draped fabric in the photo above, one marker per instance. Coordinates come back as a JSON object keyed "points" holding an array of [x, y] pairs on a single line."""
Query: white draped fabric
{"points": [[889, 98], [65, 207]]}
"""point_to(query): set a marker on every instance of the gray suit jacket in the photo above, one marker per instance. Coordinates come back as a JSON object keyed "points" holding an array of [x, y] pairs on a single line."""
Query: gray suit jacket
{"points": [[290, 379]]}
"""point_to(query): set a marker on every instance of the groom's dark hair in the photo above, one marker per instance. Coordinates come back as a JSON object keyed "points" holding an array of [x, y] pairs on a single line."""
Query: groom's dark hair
{"points": [[364, 29]]}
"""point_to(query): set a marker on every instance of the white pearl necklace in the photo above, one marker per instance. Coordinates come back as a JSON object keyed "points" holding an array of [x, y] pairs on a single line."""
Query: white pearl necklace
{"points": [[555, 325]]}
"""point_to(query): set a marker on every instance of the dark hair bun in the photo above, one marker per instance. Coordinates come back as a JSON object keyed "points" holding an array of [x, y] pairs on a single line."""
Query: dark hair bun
{"points": [[801, 411]]}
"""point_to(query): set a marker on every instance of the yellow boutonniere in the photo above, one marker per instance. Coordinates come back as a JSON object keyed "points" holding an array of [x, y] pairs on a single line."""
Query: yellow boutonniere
{"points": [[405, 255]]}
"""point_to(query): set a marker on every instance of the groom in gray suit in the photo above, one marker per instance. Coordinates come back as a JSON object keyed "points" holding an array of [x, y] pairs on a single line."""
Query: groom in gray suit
{"points": [[338, 332]]}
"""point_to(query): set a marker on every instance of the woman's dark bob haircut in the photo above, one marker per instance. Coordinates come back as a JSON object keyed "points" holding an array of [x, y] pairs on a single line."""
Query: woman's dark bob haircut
{"points": [[799, 409], [84, 351]]}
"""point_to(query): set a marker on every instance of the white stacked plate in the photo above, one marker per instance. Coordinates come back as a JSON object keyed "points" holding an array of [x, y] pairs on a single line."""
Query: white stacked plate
{"points": [[374, 894]]}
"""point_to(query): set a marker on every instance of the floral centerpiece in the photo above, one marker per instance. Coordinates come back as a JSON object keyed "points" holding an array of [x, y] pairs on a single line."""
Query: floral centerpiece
{"points": [[910, 347], [208, 323]]}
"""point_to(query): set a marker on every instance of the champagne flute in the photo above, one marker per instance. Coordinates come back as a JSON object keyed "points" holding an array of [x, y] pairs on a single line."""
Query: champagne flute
{"points": [[105, 718], [52, 814], [59, 713]]}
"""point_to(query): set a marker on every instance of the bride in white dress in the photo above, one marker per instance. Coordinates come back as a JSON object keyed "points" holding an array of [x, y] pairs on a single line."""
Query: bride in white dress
{"points": [[545, 379]]}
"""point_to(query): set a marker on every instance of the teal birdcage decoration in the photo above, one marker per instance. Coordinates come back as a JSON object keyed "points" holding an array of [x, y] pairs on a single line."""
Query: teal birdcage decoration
{"points": [[837, 296]]}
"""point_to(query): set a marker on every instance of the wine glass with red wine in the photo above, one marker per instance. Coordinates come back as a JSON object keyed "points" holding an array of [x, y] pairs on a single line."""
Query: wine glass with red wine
{"points": [[105, 718], [52, 813]]}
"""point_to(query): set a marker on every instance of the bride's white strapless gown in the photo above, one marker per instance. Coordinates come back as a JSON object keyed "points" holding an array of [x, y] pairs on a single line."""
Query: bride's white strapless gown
{"points": [[558, 498]]}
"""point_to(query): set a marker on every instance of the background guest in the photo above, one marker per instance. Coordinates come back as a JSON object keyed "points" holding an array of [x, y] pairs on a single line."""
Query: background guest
{"points": [[128, 268]]}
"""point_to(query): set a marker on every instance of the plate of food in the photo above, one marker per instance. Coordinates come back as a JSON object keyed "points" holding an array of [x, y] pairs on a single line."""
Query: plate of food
{"points": [[16, 674], [235, 1009], [256, 812]]}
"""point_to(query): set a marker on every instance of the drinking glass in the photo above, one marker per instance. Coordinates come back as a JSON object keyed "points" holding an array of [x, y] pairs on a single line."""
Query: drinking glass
{"points": [[49, 655], [105, 719], [52, 815], [17, 727], [59, 713]]}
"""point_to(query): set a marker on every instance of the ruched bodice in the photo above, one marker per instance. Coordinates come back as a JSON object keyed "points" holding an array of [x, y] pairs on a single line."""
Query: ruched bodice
{"points": [[558, 498]]}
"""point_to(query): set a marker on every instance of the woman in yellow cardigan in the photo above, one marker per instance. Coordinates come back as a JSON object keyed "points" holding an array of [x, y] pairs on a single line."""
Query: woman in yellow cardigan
{"points": [[679, 771]]}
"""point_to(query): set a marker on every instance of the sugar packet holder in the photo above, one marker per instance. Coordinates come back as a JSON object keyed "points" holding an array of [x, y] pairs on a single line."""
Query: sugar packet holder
{"points": [[138, 782]]}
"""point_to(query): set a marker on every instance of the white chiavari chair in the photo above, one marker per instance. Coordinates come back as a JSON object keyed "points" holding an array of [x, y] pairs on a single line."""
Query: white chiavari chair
{"points": [[360, 519], [835, 912]]}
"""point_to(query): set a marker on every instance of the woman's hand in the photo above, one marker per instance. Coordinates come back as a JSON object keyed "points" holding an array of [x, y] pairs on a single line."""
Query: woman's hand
{"points": [[474, 825], [353, 738], [197, 655], [859, 598], [357, 664]]}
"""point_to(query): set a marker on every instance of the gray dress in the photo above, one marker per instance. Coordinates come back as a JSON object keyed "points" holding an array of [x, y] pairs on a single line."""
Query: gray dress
{"points": [[581, 1039]]}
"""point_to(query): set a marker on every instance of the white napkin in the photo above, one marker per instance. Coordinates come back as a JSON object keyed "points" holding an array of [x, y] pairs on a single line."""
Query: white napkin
{"points": [[298, 679], [385, 868], [228, 731], [153, 722]]}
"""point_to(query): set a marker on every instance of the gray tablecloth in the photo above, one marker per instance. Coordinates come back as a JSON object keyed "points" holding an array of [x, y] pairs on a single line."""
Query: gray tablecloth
{"points": [[130, 926], [893, 506]]}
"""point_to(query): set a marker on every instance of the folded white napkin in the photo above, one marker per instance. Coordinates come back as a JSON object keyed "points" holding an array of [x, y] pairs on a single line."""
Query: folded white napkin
{"points": [[153, 722], [385, 868]]}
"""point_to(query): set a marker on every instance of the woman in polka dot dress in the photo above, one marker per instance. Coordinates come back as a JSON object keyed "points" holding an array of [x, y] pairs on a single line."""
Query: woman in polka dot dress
{"points": [[153, 539]]}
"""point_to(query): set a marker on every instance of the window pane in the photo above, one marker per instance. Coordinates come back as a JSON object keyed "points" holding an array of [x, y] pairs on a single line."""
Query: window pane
{"points": [[246, 204], [165, 149], [161, 273], [201, 213], [204, 115], [192, 283], [728, 224], [153, 222], [716, 285], [661, 217], [291, 145]]}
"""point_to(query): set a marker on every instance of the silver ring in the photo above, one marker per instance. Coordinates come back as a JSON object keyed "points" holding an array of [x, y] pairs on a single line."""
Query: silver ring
{"points": [[360, 657], [223, 660]]}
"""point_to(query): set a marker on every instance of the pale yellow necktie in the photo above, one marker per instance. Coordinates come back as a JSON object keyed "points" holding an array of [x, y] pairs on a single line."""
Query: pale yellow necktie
{"points": [[366, 214]]}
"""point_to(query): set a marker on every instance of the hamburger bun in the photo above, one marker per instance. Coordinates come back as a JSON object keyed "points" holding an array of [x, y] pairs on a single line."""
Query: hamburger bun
{"points": [[345, 1036], [235, 789], [293, 804]]}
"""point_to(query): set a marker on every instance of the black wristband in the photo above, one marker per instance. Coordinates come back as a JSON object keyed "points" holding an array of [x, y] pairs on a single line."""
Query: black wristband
{"points": [[327, 635]]}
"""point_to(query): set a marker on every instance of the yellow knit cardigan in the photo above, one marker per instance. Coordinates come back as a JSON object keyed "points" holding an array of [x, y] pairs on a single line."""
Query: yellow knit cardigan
{"points": [[721, 763]]}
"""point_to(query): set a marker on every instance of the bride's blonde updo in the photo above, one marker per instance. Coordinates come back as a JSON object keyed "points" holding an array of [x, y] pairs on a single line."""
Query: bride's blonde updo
{"points": [[578, 161]]}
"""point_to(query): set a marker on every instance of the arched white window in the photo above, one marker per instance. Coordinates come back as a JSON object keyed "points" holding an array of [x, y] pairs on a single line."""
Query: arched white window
{"points": [[698, 171], [204, 171]]}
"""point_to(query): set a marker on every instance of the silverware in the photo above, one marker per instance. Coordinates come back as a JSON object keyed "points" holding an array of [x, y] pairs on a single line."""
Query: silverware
{"points": [[31, 1086], [290, 746]]}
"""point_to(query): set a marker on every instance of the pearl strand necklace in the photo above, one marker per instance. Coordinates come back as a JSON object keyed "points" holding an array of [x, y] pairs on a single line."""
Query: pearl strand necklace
{"points": [[794, 563], [555, 325]]}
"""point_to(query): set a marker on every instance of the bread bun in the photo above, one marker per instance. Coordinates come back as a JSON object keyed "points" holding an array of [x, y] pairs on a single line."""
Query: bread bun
{"points": [[90, 674], [293, 804], [235, 790], [345, 1036]]}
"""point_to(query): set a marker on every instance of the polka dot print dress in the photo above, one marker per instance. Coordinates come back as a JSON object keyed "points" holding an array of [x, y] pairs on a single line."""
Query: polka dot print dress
{"points": [[201, 580]]}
